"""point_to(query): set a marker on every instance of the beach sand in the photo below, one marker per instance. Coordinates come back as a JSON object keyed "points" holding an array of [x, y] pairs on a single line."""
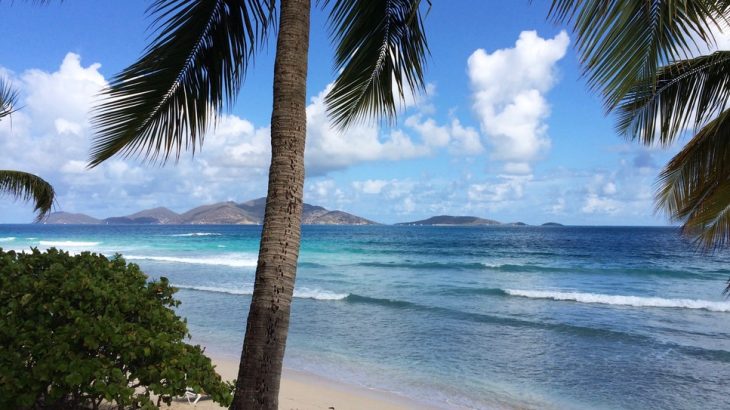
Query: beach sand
{"points": [[304, 391]]}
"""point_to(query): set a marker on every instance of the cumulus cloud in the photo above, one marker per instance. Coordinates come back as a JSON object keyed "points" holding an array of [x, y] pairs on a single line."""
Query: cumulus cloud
{"points": [[329, 148], [595, 204], [509, 87], [511, 187], [370, 186], [459, 139], [51, 135]]}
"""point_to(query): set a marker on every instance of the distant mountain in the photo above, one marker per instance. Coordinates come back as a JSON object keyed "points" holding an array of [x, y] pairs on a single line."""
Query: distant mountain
{"points": [[334, 218], [552, 224], [153, 216], [453, 220], [66, 218], [256, 207], [222, 213], [517, 224], [162, 215], [123, 220]]}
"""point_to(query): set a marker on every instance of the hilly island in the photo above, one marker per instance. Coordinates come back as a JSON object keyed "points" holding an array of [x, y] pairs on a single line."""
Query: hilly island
{"points": [[252, 213], [222, 213]]}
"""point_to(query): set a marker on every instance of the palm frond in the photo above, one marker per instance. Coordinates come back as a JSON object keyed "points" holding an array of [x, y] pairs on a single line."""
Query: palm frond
{"points": [[194, 65], [8, 98], [28, 187], [622, 41], [380, 46], [686, 93], [694, 188]]}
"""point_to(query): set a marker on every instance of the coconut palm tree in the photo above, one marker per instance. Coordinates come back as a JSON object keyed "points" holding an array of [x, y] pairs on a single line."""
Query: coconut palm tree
{"points": [[194, 68], [19, 184], [646, 59]]}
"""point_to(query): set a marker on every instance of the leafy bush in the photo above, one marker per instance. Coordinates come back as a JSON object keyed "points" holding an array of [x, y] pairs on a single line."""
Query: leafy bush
{"points": [[76, 330]]}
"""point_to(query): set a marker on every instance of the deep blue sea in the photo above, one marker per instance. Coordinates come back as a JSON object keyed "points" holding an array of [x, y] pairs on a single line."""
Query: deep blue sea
{"points": [[472, 317]]}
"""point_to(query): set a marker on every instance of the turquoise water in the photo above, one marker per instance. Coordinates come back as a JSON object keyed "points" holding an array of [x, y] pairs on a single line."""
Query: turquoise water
{"points": [[482, 317]]}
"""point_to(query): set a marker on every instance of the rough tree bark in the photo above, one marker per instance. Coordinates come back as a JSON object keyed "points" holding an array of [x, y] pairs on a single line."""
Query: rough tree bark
{"points": [[268, 319]]}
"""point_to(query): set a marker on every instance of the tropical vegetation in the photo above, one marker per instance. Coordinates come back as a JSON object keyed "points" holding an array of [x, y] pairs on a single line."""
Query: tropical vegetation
{"points": [[194, 68], [81, 331], [651, 62]]}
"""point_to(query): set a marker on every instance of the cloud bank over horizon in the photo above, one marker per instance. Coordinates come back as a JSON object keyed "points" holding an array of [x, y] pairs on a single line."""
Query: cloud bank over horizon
{"points": [[432, 161]]}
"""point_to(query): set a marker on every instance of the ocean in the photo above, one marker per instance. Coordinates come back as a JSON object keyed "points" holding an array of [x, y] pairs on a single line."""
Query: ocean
{"points": [[460, 317]]}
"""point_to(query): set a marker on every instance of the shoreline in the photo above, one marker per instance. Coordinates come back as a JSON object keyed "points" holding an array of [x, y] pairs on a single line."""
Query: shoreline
{"points": [[307, 391]]}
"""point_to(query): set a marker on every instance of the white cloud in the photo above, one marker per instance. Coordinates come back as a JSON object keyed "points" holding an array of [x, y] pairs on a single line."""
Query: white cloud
{"points": [[509, 87], [407, 206], [50, 136], [325, 192], [431, 133], [60, 101], [236, 142], [370, 186], [329, 148], [558, 207], [460, 140], [609, 188], [465, 140], [511, 188], [597, 205]]}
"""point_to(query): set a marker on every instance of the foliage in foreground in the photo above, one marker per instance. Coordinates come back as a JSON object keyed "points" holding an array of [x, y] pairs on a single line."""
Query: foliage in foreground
{"points": [[76, 330]]}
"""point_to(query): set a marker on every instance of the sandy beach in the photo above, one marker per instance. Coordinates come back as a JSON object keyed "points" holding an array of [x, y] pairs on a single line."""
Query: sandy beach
{"points": [[304, 391]]}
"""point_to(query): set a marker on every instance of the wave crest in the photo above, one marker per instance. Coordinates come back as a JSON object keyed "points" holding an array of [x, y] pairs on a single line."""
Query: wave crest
{"points": [[235, 261], [75, 244], [301, 293], [196, 234], [621, 300]]}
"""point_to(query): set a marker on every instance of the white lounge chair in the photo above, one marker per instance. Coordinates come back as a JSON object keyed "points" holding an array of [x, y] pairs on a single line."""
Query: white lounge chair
{"points": [[191, 395]]}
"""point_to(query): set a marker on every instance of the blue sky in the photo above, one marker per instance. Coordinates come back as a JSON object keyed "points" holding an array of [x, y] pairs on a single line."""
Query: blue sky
{"points": [[507, 129]]}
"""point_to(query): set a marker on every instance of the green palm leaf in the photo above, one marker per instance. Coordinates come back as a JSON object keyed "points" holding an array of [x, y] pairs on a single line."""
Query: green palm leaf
{"points": [[380, 45], [695, 185], [8, 98], [622, 41], [686, 93], [28, 187], [195, 64]]}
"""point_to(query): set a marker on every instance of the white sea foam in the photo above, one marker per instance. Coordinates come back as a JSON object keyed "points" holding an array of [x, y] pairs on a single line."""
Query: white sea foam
{"points": [[637, 301], [68, 243], [302, 293], [232, 260], [7, 239], [198, 234], [29, 250], [306, 293]]}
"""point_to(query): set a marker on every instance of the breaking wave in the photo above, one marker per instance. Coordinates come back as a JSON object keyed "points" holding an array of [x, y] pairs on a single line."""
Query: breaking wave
{"points": [[197, 234], [301, 293], [68, 243], [235, 261], [620, 300]]}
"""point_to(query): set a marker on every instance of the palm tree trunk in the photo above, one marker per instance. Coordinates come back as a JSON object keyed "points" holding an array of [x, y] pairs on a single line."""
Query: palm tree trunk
{"points": [[268, 319]]}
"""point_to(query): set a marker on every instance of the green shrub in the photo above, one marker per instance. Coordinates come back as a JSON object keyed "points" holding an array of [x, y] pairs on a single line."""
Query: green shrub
{"points": [[76, 330]]}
